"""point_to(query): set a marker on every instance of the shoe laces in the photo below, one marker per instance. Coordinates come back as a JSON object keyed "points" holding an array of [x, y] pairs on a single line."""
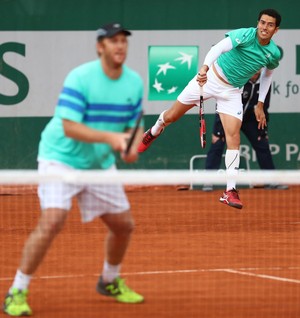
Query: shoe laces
{"points": [[118, 287], [148, 137], [234, 193], [19, 297], [122, 286]]}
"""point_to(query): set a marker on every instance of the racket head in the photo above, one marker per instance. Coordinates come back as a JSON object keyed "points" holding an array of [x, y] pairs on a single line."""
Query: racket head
{"points": [[134, 132]]}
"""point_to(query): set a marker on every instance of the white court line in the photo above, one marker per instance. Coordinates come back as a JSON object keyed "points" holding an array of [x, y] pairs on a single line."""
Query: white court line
{"points": [[282, 279], [241, 271]]}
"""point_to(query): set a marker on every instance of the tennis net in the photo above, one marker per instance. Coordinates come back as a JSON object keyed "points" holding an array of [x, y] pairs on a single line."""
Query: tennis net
{"points": [[190, 255]]}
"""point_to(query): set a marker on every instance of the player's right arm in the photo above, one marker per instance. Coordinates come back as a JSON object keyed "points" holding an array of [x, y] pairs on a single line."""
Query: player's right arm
{"points": [[221, 47], [81, 132]]}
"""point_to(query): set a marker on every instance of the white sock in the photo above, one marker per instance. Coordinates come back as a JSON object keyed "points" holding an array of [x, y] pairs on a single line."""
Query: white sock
{"points": [[21, 281], [110, 272], [232, 163], [159, 125]]}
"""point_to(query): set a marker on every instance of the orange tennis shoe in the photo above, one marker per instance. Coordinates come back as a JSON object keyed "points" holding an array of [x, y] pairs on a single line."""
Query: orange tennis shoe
{"points": [[147, 140], [231, 198]]}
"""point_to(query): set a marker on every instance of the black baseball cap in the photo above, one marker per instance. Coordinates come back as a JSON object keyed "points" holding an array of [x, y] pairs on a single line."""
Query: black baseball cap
{"points": [[109, 30]]}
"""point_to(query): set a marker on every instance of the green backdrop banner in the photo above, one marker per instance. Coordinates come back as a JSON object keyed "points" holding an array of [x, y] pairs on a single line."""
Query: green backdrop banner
{"points": [[172, 150]]}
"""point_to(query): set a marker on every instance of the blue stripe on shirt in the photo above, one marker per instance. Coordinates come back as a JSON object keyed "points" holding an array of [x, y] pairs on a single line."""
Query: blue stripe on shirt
{"points": [[113, 107], [66, 103], [107, 119], [110, 107], [73, 93], [114, 119]]}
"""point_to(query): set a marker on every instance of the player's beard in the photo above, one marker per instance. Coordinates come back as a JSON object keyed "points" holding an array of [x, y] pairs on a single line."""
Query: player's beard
{"points": [[115, 60]]}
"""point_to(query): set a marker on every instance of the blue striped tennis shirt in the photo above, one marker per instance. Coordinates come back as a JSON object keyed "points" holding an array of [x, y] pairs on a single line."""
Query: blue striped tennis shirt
{"points": [[90, 97]]}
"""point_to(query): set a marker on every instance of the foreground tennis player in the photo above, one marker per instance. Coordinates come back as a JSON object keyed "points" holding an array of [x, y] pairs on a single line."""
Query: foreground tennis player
{"points": [[98, 104], [227, 67]]}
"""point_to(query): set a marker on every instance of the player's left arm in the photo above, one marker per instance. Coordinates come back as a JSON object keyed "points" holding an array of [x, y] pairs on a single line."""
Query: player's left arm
{"points": [[265, 83]]}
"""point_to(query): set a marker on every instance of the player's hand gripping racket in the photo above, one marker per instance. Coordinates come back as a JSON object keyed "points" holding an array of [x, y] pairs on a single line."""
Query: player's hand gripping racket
{"points": [[202, 124], [133, 134]]}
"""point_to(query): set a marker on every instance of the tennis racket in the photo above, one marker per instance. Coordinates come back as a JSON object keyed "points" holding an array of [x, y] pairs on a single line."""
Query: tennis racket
{"points": [[133, 134], [202, 124]]}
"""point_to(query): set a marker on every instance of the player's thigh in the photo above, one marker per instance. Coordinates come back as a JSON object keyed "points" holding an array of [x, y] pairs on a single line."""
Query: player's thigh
{"points": [[231, 124], [52, 220], [231, 127], [230, 110], [190, 95]]}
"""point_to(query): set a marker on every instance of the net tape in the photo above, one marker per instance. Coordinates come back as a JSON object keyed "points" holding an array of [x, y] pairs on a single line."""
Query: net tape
{"points": [[150, 177]]}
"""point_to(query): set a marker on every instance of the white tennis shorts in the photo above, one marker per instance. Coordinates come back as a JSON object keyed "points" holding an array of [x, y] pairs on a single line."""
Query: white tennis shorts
{"points": [[93, 200], [228, 98]]}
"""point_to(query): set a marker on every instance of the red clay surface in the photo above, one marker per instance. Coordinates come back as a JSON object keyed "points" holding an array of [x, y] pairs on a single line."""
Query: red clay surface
{"points": [[190, 256]]}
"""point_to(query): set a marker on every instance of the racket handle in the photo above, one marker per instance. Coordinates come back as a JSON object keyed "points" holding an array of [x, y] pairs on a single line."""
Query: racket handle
{"points": [[132, 137]]}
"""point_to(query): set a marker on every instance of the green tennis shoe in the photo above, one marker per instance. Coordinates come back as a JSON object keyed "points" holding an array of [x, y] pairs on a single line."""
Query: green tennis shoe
{"points": [[119, 290], [15, 303]]}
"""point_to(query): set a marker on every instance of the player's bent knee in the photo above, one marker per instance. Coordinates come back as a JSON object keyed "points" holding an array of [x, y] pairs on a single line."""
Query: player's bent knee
{"points": [[126, 227], [119, 224]]}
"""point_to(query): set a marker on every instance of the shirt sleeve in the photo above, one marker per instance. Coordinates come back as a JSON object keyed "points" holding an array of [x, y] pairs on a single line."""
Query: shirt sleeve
{"points": [[240, 36], [265, 83], [71, 104], [274, 62], [223, 46]]}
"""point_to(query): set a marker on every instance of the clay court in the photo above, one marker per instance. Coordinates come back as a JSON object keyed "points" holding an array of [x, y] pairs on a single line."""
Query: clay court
{"points": [[190, 256]]}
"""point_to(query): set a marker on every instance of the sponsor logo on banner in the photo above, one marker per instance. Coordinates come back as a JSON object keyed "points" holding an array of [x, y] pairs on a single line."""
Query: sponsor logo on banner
{"points": [[170, 69], [12, 74]]}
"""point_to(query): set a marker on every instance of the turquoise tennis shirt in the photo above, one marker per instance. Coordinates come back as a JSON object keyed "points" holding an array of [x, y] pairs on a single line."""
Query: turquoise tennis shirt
{"points": [[247, 56], [90, 97]]}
